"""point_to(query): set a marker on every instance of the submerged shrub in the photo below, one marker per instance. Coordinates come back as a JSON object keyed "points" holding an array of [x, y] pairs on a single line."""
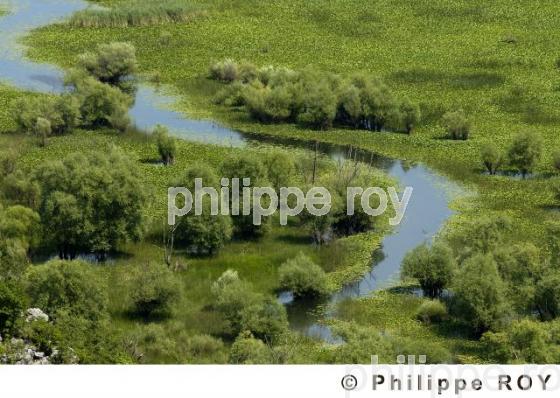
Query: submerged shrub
{"points": [[302, 277], [111, 63], [457, 125], [137, 13]]}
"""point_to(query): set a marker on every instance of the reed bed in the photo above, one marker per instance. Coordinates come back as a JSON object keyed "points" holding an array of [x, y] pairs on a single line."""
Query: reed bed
{"points": [[137, 13]]}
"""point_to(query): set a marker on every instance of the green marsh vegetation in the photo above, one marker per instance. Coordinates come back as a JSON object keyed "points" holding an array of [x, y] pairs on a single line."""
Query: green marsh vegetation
{"points": [[488, 60]]}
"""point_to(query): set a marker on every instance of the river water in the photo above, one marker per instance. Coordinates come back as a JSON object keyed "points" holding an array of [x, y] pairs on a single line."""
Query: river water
{"points": [[426, 213]]}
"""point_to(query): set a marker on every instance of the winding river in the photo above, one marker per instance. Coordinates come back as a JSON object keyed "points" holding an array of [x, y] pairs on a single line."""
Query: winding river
{"points": [[427, 211]]}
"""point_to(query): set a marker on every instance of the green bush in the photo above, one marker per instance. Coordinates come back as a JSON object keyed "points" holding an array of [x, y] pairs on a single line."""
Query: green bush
{"points": [[246, 350], [457, 125], [154, 290], [226, 71], [556, 160], [101, 105], [62, 112], [525, 151], [492, 158], [204, 234], [303, 277], [111, 63], [431, 311], [12, 305], [266, 319], [433, 267], [479, 294], [69, 287], [167, 147]]}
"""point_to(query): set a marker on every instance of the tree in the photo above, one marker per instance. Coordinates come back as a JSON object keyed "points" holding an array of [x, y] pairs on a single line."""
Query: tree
{"points": [[457, 125], [479, 294], [101, 105], [492, 158], [67, 288], [350, 106], [302, 277], [433, 267], [525, 151], [91, 202], [111, 63], [154, 290], [42, 130], [167, 147]]}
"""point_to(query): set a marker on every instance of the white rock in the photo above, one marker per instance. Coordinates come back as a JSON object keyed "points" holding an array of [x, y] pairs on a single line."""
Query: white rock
{"points": [[36, 314]]}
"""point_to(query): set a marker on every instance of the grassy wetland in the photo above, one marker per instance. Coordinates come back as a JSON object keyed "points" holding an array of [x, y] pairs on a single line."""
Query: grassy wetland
{"points": [[496, 64]]}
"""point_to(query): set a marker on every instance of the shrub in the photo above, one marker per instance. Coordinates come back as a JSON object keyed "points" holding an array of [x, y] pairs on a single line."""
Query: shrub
{"points": [[69, 287], [42, 130], [280, 169], [167, 147], [12, 305], [249, 351], [111, 63], [231, 95], [410, 114], [19, 188], [226, 71], [319, 108], [492, 158], [525, 151], [206, 233], [265, 319], [433, 267], [230, 296], [303, 277], [62, 112], [457, 125], [431, 311], [154, 290]]}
